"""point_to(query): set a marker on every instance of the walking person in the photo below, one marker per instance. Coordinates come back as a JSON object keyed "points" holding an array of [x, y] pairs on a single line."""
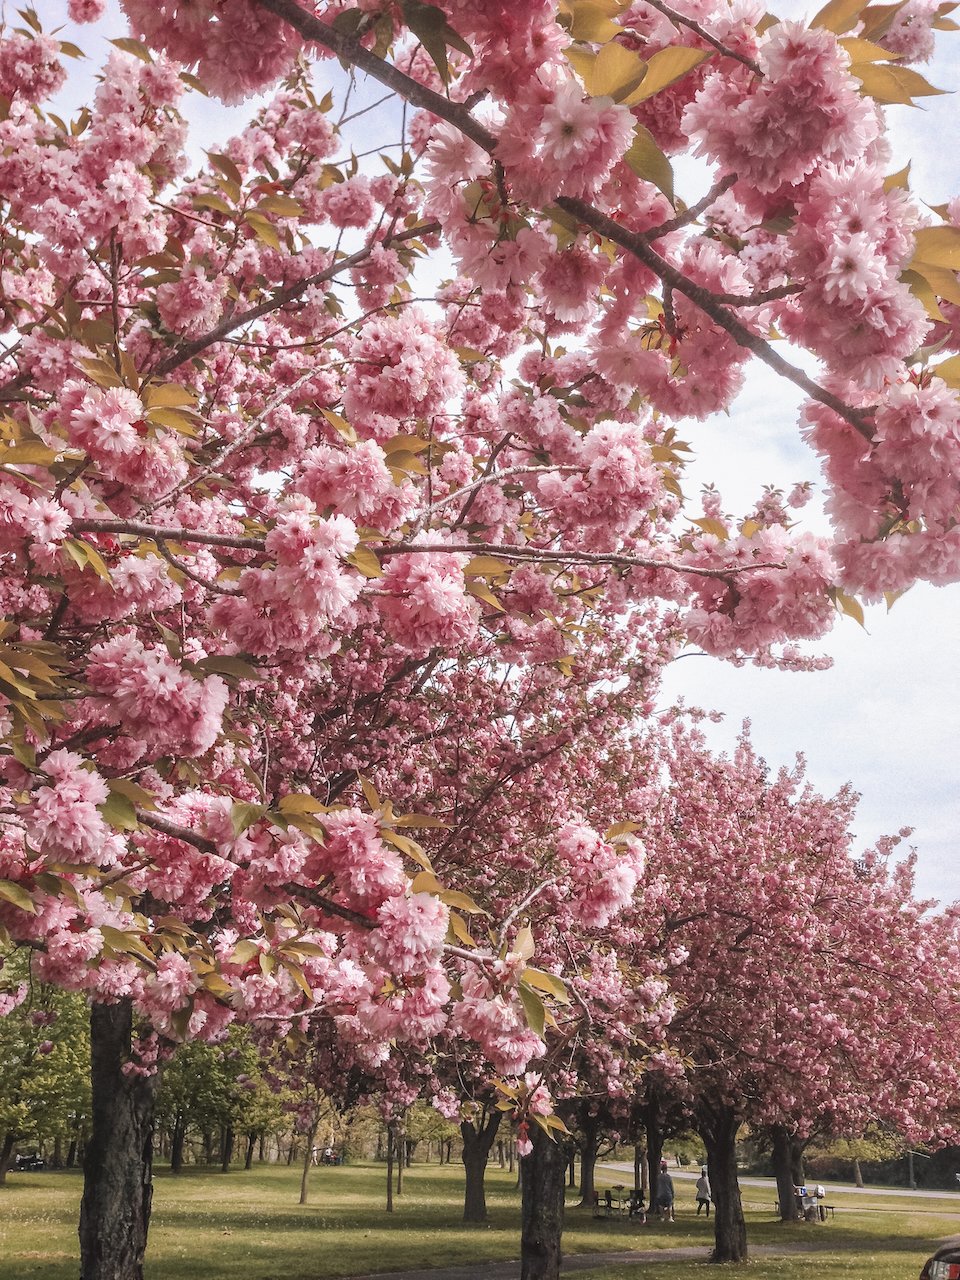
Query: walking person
{"points": [[703, 1192], [665, 1194]]}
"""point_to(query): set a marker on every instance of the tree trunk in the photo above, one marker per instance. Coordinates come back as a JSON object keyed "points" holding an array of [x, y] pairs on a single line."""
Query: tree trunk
{"points": [[72, 1153], [510, 1155], [476, 1150], [390, 1167], [542, 1212], [718, 1128], [57, 1161], [176, 1143], [6, 1154], [398, 1147], [797, 1170], [857, 1174], [449, 1148], [262, 1146], [654, 1146], [783, 1172], [117, 1167], [208, 1148], [226, 1148], [501, 1154], [588, 1157], [640, 1174], [251, 1146], [308, 1158]]}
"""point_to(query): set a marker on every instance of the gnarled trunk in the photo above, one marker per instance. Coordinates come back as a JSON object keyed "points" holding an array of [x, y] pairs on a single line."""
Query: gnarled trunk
{"points": [[542, 1213], [783, 1172], [476, 1151], [117, 1167], [719, 1127]]}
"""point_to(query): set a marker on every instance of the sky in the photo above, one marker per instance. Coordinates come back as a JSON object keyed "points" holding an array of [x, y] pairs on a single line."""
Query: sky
{"points": [[886, 716]]}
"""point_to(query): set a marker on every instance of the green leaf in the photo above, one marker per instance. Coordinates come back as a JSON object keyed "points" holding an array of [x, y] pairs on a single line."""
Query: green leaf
{"points": [[939, 246], [533, 1008], [893, 85], [263, 228], [665, 68], [119, 811], [129, 45], [170, 639], [429, 24], [282, 206], [168, 394], [851, 607], [243, 815], [592, 20], [364, 560], [228, 664], [615, 72], [136, 794], [547, 982], [15, 893], [620, 829], [33, 452], [296, 802], [649, 163], [949, 371], [839, 15]]}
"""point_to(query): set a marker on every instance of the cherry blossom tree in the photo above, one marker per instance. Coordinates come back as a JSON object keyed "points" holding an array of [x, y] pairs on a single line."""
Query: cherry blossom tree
{"points": [[257, 467], [812, 986]]}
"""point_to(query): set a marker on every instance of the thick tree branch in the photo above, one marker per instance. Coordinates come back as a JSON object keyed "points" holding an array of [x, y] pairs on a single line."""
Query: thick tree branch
{"points": [[312, 29]]}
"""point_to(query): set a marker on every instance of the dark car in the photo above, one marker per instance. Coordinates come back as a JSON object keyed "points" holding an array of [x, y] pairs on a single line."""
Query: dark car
{"points": [[945, 1263], [29, 1163]]}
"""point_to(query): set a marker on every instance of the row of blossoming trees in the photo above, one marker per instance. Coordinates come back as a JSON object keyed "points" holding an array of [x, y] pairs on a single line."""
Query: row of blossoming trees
{"points": [[307, 555]]}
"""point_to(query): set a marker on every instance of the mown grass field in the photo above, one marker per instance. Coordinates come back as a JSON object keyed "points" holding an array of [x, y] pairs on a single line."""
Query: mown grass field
{"points": [[213, 1226]]}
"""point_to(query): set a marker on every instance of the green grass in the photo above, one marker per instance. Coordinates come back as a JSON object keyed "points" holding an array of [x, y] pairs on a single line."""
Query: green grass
{"points": [[211, 1226]]}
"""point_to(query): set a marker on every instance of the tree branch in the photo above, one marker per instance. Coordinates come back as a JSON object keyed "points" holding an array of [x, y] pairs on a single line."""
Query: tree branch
{"points": [[312, 29]]}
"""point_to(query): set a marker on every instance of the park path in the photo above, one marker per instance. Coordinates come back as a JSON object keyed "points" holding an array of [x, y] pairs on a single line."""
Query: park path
{"points": [[582, 1262], [832, 1188]]}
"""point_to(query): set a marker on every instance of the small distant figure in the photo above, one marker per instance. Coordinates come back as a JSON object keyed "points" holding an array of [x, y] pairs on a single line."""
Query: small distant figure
{"points": [[665, 1195], [703, 1192]]}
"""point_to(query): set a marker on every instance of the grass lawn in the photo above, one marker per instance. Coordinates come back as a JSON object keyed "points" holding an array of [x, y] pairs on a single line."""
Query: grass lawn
{"points": [[213, 1226]]}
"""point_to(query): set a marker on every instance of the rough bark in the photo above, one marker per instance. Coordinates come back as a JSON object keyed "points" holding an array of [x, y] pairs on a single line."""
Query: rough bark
{"points": [[783, 1172], [176, 1143], [797, 1170], [589, 1146], [655, 1140], [476, 1151], [719, 1127], [308, 1160], [542, 1179], [6, 1154], [390, 1131], [117, 1167]]}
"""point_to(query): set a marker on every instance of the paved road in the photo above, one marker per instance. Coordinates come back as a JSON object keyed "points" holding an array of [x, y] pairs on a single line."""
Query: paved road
{"points": [[832, 1188]]}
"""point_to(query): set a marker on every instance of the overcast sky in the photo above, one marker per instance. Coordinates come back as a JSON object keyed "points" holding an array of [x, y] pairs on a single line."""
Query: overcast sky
{"points": [[886, 716]]}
